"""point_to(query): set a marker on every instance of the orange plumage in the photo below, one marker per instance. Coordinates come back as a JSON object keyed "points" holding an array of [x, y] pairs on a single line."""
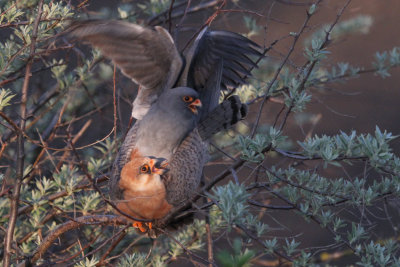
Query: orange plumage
{"points": [[143, 189]]}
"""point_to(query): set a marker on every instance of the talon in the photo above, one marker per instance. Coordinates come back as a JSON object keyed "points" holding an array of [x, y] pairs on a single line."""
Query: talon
{"points": [[150, 225], [137, 225], [142, 229]]}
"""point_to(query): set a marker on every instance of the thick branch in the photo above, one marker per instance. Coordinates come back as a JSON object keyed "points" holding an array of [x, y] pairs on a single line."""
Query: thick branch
{"points": [[86, 220]]}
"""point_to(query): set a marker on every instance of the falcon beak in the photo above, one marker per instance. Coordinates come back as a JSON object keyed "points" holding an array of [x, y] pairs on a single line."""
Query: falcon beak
{"points": [[156, 170], [194, 105]]}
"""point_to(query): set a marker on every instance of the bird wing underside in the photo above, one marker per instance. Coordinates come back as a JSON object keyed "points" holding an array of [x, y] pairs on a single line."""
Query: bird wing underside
{"points": [[147, 56], [235, 51]]}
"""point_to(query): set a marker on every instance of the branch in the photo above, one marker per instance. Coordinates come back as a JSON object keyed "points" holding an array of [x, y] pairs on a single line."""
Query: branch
{"points": [[255, 238], [94, 185], [156, 19], [67, 226], [20, 146], [278, 71], [313, 63]]}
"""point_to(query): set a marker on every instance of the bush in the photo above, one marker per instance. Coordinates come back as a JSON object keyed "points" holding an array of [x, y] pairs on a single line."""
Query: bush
{"points": [[61, 109]]}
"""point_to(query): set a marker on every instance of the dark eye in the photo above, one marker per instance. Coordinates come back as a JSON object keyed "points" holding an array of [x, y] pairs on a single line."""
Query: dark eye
{"points": [[187, 99], [145, 169]]}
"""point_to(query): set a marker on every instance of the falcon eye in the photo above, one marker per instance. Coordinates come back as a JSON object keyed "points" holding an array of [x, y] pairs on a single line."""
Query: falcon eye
{"points": [[145, 169], [187, 99]]}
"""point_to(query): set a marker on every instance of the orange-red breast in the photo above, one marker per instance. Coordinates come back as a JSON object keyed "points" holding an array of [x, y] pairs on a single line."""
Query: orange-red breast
{"points": [[144, 194], [170, 123]]}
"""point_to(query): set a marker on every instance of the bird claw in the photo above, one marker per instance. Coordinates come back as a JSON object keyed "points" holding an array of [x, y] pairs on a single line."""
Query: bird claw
{"points": [[142, 229], [139, 225]]}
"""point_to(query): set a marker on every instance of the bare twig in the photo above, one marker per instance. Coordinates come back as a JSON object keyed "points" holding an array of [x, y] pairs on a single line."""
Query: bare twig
{"points": [[78, 222], [278, 71], [210, 252], [313, 63], [20, 146], [187, 251], [156, 19], [171, 7], [255, 238]]}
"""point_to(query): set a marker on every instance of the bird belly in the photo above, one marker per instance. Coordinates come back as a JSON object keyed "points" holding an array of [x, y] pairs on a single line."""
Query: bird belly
{"points": [[148, 204]]}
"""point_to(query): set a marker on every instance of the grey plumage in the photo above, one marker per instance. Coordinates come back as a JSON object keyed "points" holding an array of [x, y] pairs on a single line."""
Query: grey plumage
{"points": [[166, 128], [150, 58], [225, 115], [146, 55], [185, 169], [159, 133], [168, 121]]}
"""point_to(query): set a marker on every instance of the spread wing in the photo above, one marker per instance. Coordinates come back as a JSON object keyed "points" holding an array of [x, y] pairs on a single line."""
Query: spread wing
{"points": [[210, 47], [146, 55]]}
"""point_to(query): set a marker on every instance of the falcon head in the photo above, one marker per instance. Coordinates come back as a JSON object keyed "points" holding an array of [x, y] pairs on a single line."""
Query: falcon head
{"points": [[181, 101], [193, 104], [142, 174]]}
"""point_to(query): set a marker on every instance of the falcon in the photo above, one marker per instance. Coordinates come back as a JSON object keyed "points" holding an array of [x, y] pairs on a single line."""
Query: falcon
{"points": [[176, 108], [144, 192], [151, 59]]}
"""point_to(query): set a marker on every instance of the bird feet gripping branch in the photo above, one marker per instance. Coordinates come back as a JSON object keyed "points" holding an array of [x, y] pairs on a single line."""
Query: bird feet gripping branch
{"points": [[142, 229]]}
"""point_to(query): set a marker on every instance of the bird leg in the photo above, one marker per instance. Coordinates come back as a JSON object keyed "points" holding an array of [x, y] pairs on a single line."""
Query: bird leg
{"points": [[139, 225], [142, 229]]}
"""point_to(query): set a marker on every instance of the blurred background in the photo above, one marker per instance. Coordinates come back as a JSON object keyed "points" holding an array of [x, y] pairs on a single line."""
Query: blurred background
{"points": [[358, 103]]}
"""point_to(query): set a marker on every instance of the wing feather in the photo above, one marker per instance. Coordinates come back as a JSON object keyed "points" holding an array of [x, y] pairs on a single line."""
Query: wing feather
{"points": [[146, 55]]}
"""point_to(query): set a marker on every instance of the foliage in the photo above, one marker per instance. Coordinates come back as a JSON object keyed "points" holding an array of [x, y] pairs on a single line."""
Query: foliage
{"points": [[68, 145]]}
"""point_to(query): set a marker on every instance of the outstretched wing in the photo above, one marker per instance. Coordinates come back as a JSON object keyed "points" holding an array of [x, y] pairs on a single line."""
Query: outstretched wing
{"points": [[210, 47], [146, 55]]}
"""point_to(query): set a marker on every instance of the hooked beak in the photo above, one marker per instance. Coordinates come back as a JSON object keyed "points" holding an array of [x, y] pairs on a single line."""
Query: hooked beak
{"points": [[194, 105], [158, 170]]}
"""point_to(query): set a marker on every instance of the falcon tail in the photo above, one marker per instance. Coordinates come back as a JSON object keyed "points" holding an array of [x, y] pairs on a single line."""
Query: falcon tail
{"points": [[225, 115]]}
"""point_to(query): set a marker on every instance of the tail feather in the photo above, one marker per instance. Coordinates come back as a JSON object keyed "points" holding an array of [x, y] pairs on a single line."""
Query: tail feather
{"points": [[225, 115]]}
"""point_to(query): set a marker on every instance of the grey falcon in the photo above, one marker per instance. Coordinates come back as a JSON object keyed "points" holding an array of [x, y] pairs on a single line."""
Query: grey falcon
{"points": [[168, 127]]}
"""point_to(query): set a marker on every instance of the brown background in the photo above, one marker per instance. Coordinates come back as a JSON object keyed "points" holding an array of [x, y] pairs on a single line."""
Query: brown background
{"points": [[359, 104]]}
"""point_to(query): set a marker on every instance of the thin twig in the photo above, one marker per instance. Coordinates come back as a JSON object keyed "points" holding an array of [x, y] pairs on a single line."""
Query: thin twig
{"points": [[278, 71], [78, 222], [20, 146], [187, 251], [171, 7]]}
